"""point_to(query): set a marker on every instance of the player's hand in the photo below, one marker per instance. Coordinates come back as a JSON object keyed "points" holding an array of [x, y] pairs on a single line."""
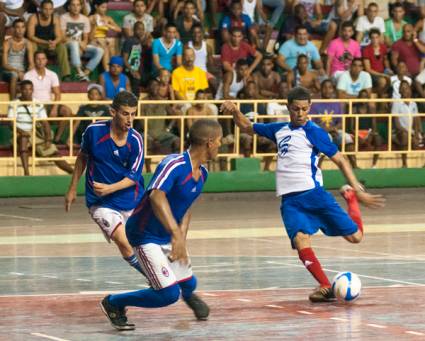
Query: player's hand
{"points": [[70, 197], [178, 249], [102, 189], [371, 200], [229, 107]]}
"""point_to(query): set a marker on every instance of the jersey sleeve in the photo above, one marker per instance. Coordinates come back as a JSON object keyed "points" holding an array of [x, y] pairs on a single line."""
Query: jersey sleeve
{"points": [[167, 174], [137, 158], [155, 47], [268, 129], [320, 139]]}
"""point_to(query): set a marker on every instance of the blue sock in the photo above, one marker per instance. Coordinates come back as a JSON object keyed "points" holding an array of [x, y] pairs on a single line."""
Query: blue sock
{"points": [[188, 287], [132, 260], [147, 298]]}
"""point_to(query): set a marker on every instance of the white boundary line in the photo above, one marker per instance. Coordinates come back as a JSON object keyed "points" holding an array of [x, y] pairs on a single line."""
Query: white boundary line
{"points": [[20, 217], [49, 337]]}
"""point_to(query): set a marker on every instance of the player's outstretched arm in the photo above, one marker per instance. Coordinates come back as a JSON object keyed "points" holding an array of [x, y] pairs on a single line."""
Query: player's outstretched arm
{"points": [[244, 124], [367, 199], [105, 189], [80, 166], [162, 210]]}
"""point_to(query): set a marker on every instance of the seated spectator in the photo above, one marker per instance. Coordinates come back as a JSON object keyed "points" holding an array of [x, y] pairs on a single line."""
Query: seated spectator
{"points": [[139, 14], [252, 7], [24, 115], [101, 24], [394, 25], [278, 109], [186, 22], [401, 75], [237, 49], [76, 28], [408, 49], [45, 33], [351, 82], [375, 57], [167, 47], [10, 10], [302, 76], [419, 85], [266, 79], [200, 7], [298, 17], [366, 22], [45, 85], [17, 57], [234, 81], [236, 19], [134, 52], [199, 109], [187, 79], [405, 124], [94, 93], [114, 80], [342, 51], [278, 7], [288, 52], [165, 89], [314, 15]]}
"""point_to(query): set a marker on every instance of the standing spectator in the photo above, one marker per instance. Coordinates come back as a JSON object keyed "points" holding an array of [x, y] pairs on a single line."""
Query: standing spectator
{"points": [[395, 80], [101, 24], [375, 57], [17, 56], [250, 8], [351, 82], [45, 85], [188, 78], [76, 28], [288, 52], [408, 49], [10, 10], [342, 51], [266, 79], [167, 47], [24, 115], [366, 22], [302, 76], [136, 60], [237, 49], [138, 14], [186, 21], [45, 33], [114, 81], [394, 26]]}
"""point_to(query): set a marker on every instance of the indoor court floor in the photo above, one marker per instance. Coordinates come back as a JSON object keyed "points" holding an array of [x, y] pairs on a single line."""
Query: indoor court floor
{"points": [[57, 266]]}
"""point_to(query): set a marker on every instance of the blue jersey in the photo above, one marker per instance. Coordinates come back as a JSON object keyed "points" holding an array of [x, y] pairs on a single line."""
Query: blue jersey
{"points": [[166, 54], [107, 163], [173, 176]]}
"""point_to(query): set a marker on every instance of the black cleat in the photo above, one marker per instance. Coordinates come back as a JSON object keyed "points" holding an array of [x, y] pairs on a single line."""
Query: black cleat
{"points": [[199, 307], [116, 316], [322, 295]]}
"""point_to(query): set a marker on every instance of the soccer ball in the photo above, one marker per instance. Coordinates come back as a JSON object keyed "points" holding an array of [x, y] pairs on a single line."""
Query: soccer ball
{"points": [[346, 286]]}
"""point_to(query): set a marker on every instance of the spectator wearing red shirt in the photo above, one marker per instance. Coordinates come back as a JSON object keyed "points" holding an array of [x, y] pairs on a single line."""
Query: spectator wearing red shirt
{"points": [[238, 49], [408, 49], [375, 58]]}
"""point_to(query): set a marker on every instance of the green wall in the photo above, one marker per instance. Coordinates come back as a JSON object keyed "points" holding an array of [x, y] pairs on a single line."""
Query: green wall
{"points": [[245, 177]]}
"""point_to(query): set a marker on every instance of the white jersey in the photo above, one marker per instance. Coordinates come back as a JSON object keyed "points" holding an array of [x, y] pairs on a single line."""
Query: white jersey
{"points": [[234, 88], [249, 9], [298, 154], [201, 55]]}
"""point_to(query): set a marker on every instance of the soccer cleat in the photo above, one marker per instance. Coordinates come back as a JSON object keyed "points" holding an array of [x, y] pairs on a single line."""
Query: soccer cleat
{"points": [[347, 192], [115, 316], [199, 307], [322, 294]]}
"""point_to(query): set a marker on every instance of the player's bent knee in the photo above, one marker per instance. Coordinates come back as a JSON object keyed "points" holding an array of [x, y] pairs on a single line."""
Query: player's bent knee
{"points": [[170, 295], [301, 240]]}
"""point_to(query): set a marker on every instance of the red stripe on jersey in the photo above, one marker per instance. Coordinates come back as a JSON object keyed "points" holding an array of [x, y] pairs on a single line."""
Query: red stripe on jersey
{"points": [[187, 178], [104, 138]]}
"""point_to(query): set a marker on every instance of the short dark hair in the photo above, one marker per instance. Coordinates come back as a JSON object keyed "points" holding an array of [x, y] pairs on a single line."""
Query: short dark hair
{"points": [[26, 82], [268, 57], [298, 94], [397, 4], [241, 62], [170, 25], [197, 25], [44, 2], [136, 1], [373, 4], [200, 92], [301, 56], [357, 59], [322, 85], [36, 53], [124, 98], [202, 130], [347, 24], [236, 29], [138, 23], [300, 27], [17, 21], [374, 31], [235, 2]]}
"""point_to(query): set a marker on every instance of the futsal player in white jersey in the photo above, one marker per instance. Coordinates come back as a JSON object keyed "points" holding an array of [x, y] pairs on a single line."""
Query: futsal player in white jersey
{"points": [[306, 207]]}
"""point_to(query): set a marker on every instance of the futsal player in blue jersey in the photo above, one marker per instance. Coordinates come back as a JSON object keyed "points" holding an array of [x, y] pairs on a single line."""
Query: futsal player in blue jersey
{"points": [[112, 155], [306, 207], [158, 228]]}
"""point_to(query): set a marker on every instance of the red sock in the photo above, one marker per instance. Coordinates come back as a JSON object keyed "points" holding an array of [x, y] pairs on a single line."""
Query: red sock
{"points": [[312, 264], [354, 210]]}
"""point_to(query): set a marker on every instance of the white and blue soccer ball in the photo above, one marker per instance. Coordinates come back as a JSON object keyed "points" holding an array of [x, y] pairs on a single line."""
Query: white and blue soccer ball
{"points": [[346, 286]]}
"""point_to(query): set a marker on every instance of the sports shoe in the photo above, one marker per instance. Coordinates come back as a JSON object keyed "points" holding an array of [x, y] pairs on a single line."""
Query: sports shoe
{"points": [[199, 307], [347, 192], [115, 316], [322, 294]]}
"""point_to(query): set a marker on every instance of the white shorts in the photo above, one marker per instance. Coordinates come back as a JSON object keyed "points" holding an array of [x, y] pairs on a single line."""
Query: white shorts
{"points": [[108, 219], [159, 270]]}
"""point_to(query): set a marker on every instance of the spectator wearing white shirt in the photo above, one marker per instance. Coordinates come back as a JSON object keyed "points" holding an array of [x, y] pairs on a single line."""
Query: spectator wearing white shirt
{"points": [[351, 82], [366, 22], [401, 75]]}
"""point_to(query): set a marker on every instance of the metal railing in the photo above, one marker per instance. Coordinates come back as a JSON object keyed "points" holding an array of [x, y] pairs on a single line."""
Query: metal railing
{"points": [[235, 130]]}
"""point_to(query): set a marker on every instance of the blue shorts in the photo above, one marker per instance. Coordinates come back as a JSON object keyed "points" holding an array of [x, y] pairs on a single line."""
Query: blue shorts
{"points": [[315, 209]]}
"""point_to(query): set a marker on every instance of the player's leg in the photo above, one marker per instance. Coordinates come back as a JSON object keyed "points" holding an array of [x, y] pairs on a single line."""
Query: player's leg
{"points": [[353, 210]]}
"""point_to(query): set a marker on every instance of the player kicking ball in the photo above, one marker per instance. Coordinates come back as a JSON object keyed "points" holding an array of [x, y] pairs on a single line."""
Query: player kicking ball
{"points": [[112, 152], [158, 228], [306, 206]]}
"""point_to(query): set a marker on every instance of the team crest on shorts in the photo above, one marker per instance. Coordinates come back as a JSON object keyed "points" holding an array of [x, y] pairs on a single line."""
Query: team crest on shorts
{"points": [[165, 271]]}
